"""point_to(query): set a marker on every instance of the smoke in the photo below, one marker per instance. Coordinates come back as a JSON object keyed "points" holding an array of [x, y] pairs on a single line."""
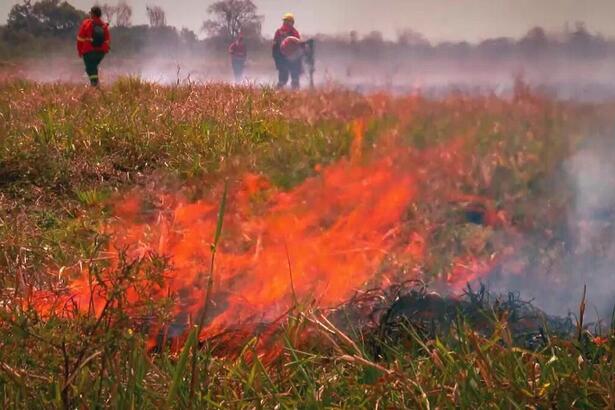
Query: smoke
{"points": [[591, 222], [555, 271], [393, 70]]}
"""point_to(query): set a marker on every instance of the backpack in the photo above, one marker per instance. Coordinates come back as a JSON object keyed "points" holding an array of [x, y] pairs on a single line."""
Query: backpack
{"points": [[98, 35]]}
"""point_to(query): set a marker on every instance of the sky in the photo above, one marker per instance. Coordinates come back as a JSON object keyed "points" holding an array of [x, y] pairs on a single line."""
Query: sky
{"points": [[438, 20]]}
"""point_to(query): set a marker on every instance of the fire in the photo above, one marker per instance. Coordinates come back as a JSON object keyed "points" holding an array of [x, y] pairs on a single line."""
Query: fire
{"points": [[322, 241], [318, 243]]}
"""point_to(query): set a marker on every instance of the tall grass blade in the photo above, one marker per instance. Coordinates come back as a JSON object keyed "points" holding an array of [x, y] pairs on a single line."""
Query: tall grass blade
{"points": [[180, 368], [210, 284]]}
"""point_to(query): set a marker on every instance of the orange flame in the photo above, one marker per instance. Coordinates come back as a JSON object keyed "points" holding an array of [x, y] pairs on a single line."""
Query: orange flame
{"points": [[320, 242]]}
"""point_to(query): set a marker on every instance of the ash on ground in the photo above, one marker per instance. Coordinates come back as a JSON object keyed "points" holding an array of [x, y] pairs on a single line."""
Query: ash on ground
{"points": [[406, 311]]}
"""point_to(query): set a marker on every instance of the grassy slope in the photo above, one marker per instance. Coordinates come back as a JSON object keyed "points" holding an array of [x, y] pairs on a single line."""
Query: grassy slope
{"points": [[64, 150]]}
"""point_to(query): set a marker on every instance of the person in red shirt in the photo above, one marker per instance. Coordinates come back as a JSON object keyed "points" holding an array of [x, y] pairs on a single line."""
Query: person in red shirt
{"points": [[93, 42], [238, 52], [283, 64]]}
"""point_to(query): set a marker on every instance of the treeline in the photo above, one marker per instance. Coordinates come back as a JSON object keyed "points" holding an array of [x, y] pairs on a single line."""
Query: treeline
{"points": [[46, 26], [50, 26], [576, 42]]}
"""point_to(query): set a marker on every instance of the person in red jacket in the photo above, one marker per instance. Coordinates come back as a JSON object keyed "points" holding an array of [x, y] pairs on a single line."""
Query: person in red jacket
{"points": [[283, 64], [93, 42], [238, 52]]}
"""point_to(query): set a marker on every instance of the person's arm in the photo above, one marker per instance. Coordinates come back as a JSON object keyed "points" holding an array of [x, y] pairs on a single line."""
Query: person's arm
{"points": [[107, 36], [82, 38], [277, 38]]}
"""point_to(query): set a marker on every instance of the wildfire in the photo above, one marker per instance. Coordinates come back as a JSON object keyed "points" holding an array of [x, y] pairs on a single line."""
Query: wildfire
{"points": [[319, 243]]}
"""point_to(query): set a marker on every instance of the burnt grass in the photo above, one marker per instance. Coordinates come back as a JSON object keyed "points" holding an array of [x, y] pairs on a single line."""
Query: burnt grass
{"points": [[67, 151]]}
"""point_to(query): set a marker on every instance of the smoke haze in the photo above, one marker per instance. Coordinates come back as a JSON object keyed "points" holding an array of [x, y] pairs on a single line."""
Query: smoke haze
{"points": [[582, 253]]}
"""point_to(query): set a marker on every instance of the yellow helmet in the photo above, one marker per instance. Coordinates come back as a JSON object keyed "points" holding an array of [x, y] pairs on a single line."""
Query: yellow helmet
{"points": [[288, 16]]}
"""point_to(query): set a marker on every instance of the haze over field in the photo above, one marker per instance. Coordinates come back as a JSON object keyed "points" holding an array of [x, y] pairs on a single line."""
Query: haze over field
{"points": [[400, 46]]}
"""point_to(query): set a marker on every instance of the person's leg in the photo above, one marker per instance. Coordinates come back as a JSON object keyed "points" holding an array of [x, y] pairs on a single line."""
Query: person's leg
{"points": [[90, 68], [282, 76], [92, 60], [242, 68], [295, 73], [294, 82], [238, 66], [235, 67], [99, 58]]}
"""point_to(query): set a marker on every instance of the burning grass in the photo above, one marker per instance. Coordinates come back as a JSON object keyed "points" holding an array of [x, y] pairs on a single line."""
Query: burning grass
{"points": [[111, 216]]}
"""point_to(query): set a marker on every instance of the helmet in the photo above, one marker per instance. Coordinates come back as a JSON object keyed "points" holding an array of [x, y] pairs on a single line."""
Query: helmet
{"points": [[288, 16]]}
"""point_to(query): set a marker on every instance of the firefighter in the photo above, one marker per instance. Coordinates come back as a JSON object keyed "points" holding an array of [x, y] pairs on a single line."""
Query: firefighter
{"points": [[93, 42], [238, 52], [285, 66]]}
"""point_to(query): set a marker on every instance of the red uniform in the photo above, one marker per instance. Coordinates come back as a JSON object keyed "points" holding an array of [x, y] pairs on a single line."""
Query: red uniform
{"points": [[237, 49], [84, 38], [286, 68], [238, 53]]}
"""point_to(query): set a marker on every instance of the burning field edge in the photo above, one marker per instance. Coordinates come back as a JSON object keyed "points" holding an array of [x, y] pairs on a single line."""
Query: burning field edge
{"points": [[233, 247]]}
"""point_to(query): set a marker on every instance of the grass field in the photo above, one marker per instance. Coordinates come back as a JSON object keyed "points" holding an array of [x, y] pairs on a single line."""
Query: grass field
{"points": [[206, 246]]}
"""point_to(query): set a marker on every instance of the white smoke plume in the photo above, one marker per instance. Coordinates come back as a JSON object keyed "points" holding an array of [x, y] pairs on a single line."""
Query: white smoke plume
{"points": [[586, 254]]}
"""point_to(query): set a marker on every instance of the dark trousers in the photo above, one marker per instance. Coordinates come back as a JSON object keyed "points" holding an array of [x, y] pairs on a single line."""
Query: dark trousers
{"points": [[91, 61], [290, 69], [239, 64]]}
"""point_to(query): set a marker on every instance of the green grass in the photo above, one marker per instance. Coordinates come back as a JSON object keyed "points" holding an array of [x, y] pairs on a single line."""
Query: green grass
{"points": [[66, 152], [83, 361]]}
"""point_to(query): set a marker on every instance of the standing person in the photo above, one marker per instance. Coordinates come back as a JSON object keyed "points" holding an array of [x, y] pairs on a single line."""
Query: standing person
{"points": [[283, 64], [93, 42], [238, 53]]}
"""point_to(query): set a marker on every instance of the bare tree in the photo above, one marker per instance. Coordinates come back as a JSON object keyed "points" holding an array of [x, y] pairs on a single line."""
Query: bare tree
{"points": [[231, 17], [156, 15], [123, 14], [108, 11]]}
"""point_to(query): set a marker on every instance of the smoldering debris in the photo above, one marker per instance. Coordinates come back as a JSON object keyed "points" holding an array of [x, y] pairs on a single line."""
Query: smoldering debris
{"points": [[394, 316]]}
